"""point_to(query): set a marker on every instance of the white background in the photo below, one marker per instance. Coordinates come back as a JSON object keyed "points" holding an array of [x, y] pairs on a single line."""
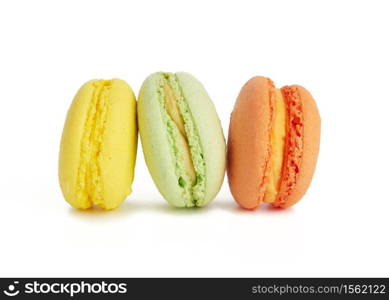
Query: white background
{"points": [[338, 50]]}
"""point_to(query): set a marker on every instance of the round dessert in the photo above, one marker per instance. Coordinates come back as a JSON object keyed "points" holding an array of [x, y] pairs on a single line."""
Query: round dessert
{"points": [[273, 144], [182, 138], [98, 146]]}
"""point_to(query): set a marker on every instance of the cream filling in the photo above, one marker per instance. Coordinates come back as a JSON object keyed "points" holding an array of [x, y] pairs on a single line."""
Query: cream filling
{"points": [[182, 140], [277, 147], [89, 181]]}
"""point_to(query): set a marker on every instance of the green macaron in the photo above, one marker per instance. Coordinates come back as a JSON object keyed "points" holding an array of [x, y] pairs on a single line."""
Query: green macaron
{"points": [[182, 138]]}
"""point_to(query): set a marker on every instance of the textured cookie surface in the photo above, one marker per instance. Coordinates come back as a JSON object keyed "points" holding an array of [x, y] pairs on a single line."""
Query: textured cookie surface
{"points": [[182, 139], [248, 142], [273, 144], [303, 145], [98, 145]]}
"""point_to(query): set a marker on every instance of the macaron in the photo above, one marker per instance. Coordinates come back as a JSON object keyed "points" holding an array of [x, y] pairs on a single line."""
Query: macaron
{"points": [[273, 144], [182, 138], [98, 145]]}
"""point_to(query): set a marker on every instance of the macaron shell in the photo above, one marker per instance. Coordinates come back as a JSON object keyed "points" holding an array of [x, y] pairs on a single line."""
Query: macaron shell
{"points": [[69, 157], [155, 144], [311, 144], [209, 130], [119, 145], [249, 142]]}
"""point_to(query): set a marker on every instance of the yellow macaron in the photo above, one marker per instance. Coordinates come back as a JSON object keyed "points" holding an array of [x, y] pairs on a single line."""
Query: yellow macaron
{"points": [[98, 146]]}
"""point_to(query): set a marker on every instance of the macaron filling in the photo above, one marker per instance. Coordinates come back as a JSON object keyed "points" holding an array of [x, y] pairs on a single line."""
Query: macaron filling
{"points": [[184, 140], [89, 185], [277, 144]]}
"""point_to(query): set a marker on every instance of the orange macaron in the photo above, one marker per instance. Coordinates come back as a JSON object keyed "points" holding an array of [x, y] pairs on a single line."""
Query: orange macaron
{"points": [[273, 144]]}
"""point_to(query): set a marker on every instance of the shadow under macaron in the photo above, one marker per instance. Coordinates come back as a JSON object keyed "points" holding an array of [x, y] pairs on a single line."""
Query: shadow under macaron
{"points": [[132, 206], [264, 208]]}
